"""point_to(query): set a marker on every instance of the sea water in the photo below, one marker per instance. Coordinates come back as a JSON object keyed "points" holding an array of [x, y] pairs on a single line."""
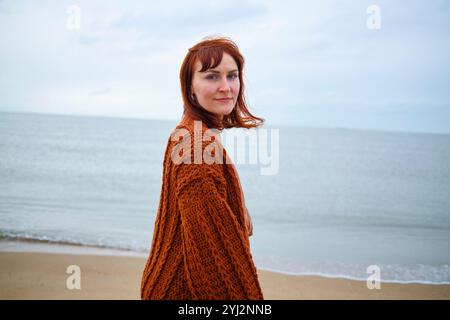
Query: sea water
{"points": [[340, 201]]}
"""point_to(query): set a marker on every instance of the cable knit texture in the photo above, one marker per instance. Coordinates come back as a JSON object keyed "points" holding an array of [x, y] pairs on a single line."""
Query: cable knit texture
{"points": [[200, 247]]}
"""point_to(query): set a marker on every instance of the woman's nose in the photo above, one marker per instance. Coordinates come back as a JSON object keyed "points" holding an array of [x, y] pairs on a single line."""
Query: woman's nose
{"points": [[224, 85]]}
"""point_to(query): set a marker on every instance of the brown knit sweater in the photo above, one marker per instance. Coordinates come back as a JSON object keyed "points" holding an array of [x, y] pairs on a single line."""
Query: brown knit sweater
{"points": [[200, 247]]}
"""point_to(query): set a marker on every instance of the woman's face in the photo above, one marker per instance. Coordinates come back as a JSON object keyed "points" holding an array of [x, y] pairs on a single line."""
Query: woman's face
{"points": [[213, 85]]}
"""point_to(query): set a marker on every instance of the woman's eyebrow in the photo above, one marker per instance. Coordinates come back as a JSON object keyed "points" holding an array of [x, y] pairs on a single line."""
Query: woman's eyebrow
{"points": [[215, 71]]}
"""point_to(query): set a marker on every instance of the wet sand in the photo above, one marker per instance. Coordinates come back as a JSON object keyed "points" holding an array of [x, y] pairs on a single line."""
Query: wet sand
{"points": [[36, 275]]}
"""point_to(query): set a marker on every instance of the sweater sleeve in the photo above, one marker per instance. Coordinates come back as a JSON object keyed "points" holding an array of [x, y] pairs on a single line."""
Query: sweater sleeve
{"points": [[218, 262]]}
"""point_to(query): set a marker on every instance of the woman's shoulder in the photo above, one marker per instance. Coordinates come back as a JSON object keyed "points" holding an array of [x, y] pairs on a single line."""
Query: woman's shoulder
{"points": [[191, 126], [193, 142]]}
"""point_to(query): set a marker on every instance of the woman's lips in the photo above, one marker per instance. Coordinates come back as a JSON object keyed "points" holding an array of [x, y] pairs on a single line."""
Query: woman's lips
{"points": [[224, 100]]}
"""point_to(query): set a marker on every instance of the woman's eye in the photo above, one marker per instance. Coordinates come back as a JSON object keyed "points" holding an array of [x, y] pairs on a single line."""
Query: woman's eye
{"points": [[213, 77]]}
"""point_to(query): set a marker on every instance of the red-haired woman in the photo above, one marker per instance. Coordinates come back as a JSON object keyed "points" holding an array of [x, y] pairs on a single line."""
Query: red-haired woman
{"points": [[200, 247]]}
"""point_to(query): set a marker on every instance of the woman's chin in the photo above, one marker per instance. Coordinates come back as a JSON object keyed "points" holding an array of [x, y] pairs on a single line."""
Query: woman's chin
{"points": [[221, 112], [227, 111]]}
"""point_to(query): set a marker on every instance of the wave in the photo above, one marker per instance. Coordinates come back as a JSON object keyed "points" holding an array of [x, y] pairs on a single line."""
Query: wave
{"points": [[389, 273], [8, 236], [402, 274]]}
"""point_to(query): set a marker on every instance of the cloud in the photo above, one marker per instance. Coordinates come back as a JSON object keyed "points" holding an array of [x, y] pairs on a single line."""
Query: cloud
{"points": [[302, 58], [101, 91], [182, 17]]}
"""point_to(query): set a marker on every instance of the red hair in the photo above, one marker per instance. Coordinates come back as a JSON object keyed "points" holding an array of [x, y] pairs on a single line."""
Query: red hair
{"points": [[210, 52]]}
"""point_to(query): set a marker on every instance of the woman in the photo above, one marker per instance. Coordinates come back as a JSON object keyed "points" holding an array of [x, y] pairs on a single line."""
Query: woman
{"points": [[200, 247]]}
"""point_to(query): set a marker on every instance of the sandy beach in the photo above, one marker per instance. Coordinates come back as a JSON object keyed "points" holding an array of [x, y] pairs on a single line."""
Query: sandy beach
{"points": [[37, 275]]}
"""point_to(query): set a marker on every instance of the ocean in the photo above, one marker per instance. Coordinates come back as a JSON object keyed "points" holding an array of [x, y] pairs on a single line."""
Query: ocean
{"points": [[339, 201]]}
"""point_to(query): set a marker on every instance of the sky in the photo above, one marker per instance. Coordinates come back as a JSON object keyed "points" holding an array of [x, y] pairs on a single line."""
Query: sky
{"points": [[320, 63]]}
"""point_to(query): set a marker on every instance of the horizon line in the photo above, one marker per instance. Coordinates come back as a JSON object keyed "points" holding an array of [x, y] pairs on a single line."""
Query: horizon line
{"points": [[271, 125]]}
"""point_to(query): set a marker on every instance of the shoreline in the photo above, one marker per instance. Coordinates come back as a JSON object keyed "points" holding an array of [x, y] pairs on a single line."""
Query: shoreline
{"points": [[115, 274], [8, 244], [43, 246]]}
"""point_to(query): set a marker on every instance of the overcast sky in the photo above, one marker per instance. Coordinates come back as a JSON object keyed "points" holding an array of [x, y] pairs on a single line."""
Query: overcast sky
{"points": [[308, 63]]}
